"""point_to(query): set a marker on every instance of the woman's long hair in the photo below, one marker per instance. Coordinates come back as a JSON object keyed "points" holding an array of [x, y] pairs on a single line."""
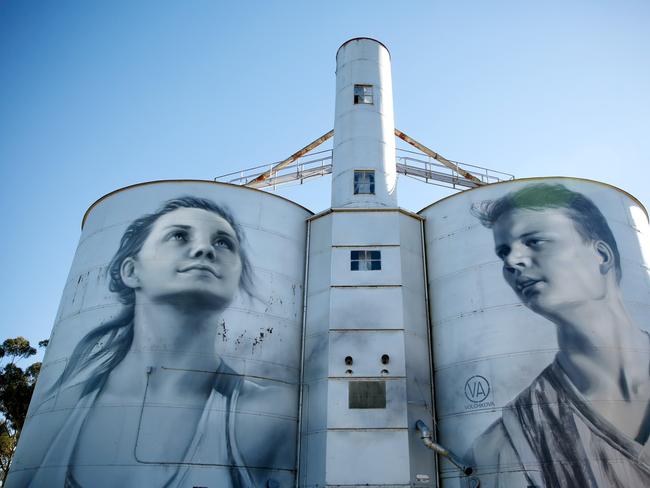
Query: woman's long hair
{"points": [[105, 346]]}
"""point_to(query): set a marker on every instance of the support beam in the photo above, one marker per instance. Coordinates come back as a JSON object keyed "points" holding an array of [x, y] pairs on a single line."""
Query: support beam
{"points": [[438, 157], [291, 158]]}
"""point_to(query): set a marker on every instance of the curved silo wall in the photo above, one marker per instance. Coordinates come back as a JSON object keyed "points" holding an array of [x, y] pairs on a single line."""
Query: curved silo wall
{"points": [[215, 404], [545, 382]]}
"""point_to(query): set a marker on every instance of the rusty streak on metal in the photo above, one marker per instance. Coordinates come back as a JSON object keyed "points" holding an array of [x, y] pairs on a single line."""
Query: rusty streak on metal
{"points": [[291, 158], [438, 157]]}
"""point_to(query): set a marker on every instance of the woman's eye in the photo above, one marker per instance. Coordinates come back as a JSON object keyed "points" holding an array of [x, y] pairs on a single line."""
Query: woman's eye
{"points": [[178, 236], [223, 243]]}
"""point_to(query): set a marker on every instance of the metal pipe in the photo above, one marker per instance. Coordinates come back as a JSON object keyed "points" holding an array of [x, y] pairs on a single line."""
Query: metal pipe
{"points": [[302, 353], [426, 436], [425, 274]]}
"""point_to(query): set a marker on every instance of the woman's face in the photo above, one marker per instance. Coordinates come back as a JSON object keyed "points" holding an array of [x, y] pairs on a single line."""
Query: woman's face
{"points": [[191, 256]]}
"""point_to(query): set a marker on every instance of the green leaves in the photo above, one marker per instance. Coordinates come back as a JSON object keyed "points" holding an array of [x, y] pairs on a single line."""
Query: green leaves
{"points": [[16, 348], [7, 448], [16, 388]]}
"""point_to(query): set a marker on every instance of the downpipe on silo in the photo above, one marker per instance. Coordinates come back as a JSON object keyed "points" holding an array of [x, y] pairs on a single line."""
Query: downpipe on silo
{"points": [[427, 439], [425, 274], [302, 354]]}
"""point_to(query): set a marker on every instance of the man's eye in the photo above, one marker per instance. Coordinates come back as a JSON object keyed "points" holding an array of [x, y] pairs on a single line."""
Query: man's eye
{"points": [[533, 242], [502, 253]]}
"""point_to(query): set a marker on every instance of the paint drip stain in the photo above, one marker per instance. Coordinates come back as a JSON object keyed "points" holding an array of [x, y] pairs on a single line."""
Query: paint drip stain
{"points": [[260, 337], [222, 331]]}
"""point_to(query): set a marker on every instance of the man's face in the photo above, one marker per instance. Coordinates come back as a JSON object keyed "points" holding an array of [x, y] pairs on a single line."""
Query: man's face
{"points": [[546, 261]]}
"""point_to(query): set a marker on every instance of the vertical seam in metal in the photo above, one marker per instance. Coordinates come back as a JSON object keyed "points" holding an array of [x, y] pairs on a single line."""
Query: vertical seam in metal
{"points": [[302, 353], [425, 274]]}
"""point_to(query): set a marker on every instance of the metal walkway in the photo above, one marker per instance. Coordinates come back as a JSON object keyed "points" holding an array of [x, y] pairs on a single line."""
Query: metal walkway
{"points": [[414, 164]]}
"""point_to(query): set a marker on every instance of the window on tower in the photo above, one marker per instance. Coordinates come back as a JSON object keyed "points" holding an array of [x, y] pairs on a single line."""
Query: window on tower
{"points": [[364, 182], [363, 94], [365, 260]]}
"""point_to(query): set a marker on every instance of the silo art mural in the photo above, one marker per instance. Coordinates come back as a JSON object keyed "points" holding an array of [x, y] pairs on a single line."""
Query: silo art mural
{"points": [[542, 356], [174, 359]]}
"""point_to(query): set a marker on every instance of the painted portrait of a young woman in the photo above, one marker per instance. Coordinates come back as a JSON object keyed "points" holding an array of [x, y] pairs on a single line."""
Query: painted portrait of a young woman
{"points": [[178, 423]]}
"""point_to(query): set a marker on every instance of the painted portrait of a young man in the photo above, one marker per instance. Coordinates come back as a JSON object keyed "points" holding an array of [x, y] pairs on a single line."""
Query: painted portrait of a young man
{"points": [[584, 421]]}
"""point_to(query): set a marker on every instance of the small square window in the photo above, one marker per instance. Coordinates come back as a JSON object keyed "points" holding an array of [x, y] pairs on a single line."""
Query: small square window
{"points": [[365, 260], [364, 182], [363, 94]]}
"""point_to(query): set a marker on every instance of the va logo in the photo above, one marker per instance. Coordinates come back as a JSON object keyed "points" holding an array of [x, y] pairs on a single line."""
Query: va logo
{"points": [[477, 389]]}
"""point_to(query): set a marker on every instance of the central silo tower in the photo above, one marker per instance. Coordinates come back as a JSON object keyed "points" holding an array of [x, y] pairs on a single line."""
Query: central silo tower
{"points": [[366, 365], [364, 127]]}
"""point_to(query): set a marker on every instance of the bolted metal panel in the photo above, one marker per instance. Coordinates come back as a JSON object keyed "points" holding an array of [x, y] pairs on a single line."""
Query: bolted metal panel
{"points": [[367, 394], [349, 315], [366, 448], [379, 228], [366, 348]]}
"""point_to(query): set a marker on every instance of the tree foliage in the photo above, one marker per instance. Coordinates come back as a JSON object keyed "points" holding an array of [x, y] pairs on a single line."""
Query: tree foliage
{"points": [[7, 448], [16, 348], [16, 388]]}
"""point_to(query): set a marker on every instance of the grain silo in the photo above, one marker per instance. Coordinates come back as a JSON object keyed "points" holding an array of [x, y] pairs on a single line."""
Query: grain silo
{"points": [[182, 308], [540, 301], [214, 335]]}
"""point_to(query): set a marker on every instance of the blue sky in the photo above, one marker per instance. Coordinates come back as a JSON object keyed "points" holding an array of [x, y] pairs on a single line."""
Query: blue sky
{"points": [[97, 95]]}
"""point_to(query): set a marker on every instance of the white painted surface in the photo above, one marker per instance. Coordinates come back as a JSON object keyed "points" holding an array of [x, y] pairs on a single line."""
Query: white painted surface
{"points": [[380, 228], [364, 135], [382, 457]]}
